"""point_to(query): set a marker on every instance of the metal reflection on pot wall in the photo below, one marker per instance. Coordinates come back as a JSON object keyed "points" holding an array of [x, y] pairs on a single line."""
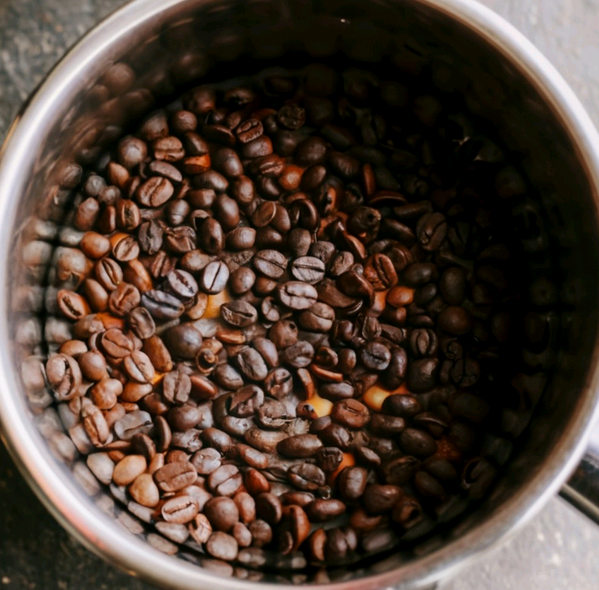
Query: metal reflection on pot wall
{"points": [[205, 41]]}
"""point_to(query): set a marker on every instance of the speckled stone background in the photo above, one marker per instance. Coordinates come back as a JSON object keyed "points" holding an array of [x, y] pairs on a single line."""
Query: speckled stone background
{"points": [[558, 550]]}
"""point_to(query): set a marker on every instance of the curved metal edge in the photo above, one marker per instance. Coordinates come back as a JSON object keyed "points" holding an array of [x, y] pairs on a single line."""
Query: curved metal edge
{"points": [[94, 529], [582, 489]]}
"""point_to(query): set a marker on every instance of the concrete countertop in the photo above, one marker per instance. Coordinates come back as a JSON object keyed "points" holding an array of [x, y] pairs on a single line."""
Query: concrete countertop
{"points": [[557, 550]]}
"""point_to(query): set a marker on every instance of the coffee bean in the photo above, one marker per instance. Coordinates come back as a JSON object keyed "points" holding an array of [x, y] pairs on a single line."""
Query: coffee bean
{"points": [[175, 476], [214, 278], [401, 405], [139, 367], [184, 417], [222, 546], [225, 480], [422, 374], [251, 364], [180, 509], [249, 130], [350, 413], [154, 192], [324, 510], [297, 295], [241, 238], [299, 446], [431, 231], [423, 342], [455, 320], [352, 483], [161, 305], [297, 355], [420, 273], [131, 151], [417, 442], [337, 391], [270, 263], [308, 269], [222, 513], [212, 236], [375, 356], [239, 313]]}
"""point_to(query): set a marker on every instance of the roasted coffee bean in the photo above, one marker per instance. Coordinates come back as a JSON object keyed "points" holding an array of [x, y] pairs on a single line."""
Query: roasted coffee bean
{"points": [[306, 477], [249, 130], [417, 442], [175, 476], [423, 342], [297, 295], [297, 355], [375, 356], [264, 440], [184, 417], [105, 393], [386, 425], [222, 512], [139, 367], [299, 446], [183, 341], [242, 280], [225, 480], [272, 415], [176, 386], [350, 413], [337, 391], [154, 192], [269, 508], [283, 333], [452, 285], [212, 236], [251, 364], [455, 320], [352, 482], [241, 238], [380, 498], [420, 273], [406, 406], [270, 263], [422, 374], [64, 376], [239, 313], [180, 509], [222, 546], [268, 350], [279, 383], [308, 269], [324, 510], [214, 278], [181, 284], [162, 306], [431, 231], [158, 354], [329, 458]]}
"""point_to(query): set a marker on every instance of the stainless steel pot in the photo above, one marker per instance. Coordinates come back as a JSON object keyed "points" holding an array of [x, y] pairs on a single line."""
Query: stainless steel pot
{"points": [[150, 48]]}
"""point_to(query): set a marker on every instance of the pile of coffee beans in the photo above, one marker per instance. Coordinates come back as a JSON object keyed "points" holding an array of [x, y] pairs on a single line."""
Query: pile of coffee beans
{"points": [[293, 305]]}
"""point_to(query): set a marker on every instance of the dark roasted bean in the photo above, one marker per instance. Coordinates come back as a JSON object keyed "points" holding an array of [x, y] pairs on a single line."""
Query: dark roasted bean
{"points": [[352, 482], [214, 278], [417, 442]]}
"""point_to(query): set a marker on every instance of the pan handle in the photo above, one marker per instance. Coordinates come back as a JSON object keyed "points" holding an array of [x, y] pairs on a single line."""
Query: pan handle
{"points": [[582, 489]]}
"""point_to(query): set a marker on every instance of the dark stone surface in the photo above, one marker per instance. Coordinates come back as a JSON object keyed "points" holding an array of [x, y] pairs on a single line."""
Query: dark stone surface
{"points": [[556, 550]]}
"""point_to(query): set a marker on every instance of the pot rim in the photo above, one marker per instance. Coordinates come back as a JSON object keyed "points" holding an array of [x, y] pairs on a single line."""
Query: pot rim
{"points": [[67, 501]]}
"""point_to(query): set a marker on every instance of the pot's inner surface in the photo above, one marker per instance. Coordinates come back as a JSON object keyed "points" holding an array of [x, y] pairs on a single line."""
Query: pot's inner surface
{"points": [[545, 199]]}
